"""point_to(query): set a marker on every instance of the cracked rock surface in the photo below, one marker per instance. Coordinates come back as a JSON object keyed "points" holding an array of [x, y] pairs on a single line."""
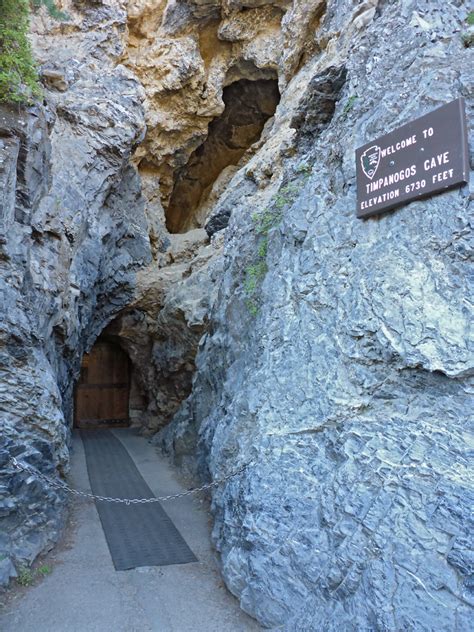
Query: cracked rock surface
{"points": [[72, 234], [346, 375], [333, 354]]}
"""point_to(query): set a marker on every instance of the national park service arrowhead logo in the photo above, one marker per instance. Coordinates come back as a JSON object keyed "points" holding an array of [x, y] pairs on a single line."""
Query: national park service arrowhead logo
{"points": [[370, 161]]}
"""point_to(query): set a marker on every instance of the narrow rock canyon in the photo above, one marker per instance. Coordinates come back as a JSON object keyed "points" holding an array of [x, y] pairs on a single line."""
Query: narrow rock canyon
{"points": [[185, 189]]}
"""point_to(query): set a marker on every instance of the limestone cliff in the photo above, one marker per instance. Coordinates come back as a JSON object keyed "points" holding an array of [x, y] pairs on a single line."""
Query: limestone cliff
{"points": [[270, 326], [343, 370], [72, 233]]}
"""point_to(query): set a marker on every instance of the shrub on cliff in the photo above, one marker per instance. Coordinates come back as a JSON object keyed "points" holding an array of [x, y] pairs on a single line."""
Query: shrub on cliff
{"points": [[18, 76], [50, 5]]}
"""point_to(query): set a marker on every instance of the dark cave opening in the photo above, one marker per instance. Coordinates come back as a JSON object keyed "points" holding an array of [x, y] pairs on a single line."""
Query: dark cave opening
{"points": [[248, 106], [142, 369]]}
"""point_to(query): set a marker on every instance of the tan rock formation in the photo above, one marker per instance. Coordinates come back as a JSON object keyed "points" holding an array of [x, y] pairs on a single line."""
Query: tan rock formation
{"points": [[185, 55]]}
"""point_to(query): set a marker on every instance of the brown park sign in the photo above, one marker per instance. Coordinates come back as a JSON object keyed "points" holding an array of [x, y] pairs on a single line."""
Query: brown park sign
{"points": [[427, 155]]}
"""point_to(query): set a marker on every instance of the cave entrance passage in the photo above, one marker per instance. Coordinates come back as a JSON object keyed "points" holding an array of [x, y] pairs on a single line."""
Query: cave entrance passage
{"points": [[248, 106], [103, 392]]}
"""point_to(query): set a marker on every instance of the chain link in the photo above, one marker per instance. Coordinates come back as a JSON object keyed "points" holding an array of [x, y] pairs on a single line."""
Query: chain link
{"points": [[57, 484]]}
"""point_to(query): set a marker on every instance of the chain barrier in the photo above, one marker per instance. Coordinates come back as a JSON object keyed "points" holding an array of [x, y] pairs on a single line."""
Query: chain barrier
{"points": [[57, 484]]}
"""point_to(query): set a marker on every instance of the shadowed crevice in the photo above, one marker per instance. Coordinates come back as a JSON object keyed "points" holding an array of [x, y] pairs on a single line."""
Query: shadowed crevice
{"points": [[248, 106]]}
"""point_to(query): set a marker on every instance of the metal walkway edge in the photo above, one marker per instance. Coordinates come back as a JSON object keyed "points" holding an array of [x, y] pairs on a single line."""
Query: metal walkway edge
{"points": [[140, 534]]}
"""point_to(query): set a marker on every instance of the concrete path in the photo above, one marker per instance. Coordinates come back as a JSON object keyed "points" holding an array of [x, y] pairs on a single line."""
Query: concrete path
{"points": [[84, 593]]}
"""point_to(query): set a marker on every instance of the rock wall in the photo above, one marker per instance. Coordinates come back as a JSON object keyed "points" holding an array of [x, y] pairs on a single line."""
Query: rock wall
{"points": [[72, 234], [161, 328], [186, 53], [338, 357], [331, 353]]}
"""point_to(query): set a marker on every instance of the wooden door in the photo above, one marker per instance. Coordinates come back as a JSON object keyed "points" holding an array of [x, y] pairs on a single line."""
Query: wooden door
{"points": [[102, 393]]}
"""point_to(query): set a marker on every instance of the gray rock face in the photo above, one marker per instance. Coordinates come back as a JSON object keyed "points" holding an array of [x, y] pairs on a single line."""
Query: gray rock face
{"points": [[348, 380], [334, 354], [72, 234], [162, 327]]}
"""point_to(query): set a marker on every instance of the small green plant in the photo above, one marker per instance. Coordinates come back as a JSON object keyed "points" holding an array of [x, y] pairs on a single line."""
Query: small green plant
{"points": [[468, 36], [18, 73], [256, 271], [263, 248], [264, 222], [25, 576], [254, 275], [285, 196], [44, 570], [304, 169], [252, 306], [50, 5], [18, 76], [350, 104]]}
